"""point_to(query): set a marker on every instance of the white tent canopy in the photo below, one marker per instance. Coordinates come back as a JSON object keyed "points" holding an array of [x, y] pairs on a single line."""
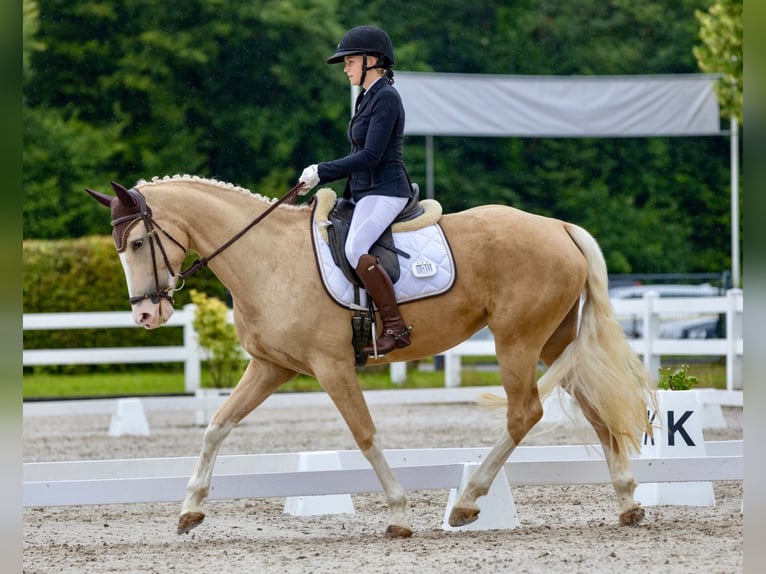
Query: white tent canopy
{"points": [[558, 106], [566, 106]]}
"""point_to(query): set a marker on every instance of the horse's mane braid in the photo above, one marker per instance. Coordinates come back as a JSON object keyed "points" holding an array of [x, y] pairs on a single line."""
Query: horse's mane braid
{"points": [[195, 178]]}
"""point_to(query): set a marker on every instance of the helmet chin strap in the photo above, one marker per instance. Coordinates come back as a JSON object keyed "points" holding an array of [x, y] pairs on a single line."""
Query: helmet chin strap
{"points": [[365, 67], [364, 70]]}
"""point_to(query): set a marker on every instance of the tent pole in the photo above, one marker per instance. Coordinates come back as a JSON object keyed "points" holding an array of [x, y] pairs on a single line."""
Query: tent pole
{"points": [[735, 282], [429, 167]]}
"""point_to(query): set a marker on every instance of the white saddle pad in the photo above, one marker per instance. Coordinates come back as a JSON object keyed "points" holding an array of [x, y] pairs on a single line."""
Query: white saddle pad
{"points": [[429, 271]]}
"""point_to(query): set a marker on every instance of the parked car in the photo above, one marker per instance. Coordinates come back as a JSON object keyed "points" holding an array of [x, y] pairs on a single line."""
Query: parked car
{"points": [[686, 327]]}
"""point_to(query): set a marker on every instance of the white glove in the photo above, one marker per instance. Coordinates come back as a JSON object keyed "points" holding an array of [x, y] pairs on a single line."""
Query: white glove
{"points": [[309, 178]]}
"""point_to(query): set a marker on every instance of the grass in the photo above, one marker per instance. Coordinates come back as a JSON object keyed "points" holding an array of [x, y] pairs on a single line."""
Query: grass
{"points": [[39, 385], [142, 382]]}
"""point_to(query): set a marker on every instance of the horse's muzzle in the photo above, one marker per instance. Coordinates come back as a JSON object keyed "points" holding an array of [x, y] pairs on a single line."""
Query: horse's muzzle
{"points": [[152, 310]]}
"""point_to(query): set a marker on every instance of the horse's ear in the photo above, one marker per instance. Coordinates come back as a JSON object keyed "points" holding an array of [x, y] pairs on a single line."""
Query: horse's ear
{"points": [[123, 194], [102, 198]]}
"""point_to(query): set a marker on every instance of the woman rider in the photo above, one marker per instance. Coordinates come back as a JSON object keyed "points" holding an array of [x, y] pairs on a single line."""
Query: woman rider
{"points": [[377, 181]]}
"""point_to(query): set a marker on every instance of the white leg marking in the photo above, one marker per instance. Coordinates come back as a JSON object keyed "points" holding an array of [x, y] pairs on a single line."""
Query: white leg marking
{"points": [[623, 482], [395, 495], [199, 484], [482, 478]]}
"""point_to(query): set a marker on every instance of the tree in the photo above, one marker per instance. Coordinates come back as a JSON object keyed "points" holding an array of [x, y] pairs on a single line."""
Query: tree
{"points": [[59, 155], [211, 88], [30, 44], [721, 52]]}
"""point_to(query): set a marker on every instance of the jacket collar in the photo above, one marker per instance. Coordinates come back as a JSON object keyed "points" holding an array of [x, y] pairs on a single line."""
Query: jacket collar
{"points": [[367, 94]]}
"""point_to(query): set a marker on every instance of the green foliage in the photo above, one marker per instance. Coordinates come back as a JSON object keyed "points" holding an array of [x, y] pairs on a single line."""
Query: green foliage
{"points": [[68, 275], [60, 155], [42, 385], [76, 275], [677, 379], [110, 383], [721, 52], [210, 88], [216, 335], [31, 24]]}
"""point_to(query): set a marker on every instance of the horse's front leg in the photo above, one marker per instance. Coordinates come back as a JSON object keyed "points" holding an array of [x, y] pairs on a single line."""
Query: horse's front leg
{"points": [[347, 395], [398, 527], [258, 382]]}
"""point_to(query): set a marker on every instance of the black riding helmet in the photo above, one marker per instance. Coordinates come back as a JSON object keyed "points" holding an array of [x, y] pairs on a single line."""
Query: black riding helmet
{"points": [[365, 40]]}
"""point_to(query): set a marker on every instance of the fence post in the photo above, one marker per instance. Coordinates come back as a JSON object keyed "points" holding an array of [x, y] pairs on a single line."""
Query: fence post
{"points": [[452, 366], [733, 334], [651, 332], [192, 363], [398, 373]]}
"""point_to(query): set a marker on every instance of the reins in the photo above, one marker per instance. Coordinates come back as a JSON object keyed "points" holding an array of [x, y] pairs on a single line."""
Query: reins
{"points": [[203, 261]]}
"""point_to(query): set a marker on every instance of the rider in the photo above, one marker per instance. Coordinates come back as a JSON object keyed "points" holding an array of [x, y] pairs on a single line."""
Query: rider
{"points": [[377, 181]]}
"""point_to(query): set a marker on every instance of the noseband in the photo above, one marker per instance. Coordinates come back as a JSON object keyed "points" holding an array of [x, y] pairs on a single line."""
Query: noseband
{"points": [[144, 214]]}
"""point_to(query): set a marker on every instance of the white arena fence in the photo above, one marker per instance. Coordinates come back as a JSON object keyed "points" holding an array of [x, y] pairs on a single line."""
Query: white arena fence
{"points": [[276, 475], [651, 309]]}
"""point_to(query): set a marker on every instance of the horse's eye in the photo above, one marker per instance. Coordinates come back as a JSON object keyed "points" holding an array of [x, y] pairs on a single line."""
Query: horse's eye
{"points": [[137, 244]]}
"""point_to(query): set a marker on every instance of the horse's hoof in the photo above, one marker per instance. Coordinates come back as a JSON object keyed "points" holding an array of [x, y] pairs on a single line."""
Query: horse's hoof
{"points": [[463, 516], [632, 517], [394, 531], [188, 521]]}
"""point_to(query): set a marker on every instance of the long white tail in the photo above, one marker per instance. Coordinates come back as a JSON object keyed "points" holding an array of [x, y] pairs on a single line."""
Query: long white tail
{"points": [[599, 366]]}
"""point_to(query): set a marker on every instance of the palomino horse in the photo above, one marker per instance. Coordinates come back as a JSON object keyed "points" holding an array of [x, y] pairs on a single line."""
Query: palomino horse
{"points": [[520, 274]]}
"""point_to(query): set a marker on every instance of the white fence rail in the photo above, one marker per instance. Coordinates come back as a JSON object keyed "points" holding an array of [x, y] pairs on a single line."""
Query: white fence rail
{"points": [[189, 353], [652, 310], [276, 475], [651, 346]]}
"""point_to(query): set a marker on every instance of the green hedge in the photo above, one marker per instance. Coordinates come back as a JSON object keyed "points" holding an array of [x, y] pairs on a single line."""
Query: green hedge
{"points": [[85, 274]]}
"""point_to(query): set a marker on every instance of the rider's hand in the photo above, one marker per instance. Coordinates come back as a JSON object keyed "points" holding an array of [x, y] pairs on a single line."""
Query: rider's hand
{"points": [[309, 178]]}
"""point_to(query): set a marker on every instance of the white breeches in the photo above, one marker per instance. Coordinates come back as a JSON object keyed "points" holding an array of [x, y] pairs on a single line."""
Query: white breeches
{"points": [[372, 214]]}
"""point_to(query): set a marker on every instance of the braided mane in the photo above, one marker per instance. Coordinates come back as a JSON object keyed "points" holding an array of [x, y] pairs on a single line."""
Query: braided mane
{"points": [[211, 182]]}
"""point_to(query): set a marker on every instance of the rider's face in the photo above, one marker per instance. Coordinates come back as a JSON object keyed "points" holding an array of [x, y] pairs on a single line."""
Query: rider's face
{"points": [[353, 67]]}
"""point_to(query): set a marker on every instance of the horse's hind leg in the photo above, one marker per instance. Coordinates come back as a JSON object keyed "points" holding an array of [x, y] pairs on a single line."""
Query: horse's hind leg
{"points": [[518, 371], [623, 482], [258, 382]]}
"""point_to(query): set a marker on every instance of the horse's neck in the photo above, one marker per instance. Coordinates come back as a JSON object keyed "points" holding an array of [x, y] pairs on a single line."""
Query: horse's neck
{"points": [[210, 216]]}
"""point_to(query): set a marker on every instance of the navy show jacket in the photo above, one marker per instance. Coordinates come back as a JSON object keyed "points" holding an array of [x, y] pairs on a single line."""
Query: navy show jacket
{"points": [[374, 166]]}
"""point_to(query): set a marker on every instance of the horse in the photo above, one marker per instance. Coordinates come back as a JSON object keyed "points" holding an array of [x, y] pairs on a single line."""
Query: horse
{"points": [[540, 284]]}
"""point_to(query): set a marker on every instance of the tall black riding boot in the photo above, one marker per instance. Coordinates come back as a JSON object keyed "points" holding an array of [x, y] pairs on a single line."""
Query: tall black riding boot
{"points": [[378, 284]]}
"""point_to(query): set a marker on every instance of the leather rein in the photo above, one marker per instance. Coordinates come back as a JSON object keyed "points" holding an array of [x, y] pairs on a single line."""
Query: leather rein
{"points": [[153, 234]]}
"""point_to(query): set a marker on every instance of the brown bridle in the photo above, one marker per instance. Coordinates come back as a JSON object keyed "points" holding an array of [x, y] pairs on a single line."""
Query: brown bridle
{"points": [[144, 213]]}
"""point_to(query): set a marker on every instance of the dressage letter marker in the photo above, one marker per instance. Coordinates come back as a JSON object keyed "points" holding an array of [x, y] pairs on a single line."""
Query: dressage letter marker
{"points": [[677, 433]]}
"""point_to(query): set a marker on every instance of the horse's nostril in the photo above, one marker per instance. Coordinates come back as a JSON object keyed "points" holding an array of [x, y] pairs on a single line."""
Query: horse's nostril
{"points": [[145, 318]]}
